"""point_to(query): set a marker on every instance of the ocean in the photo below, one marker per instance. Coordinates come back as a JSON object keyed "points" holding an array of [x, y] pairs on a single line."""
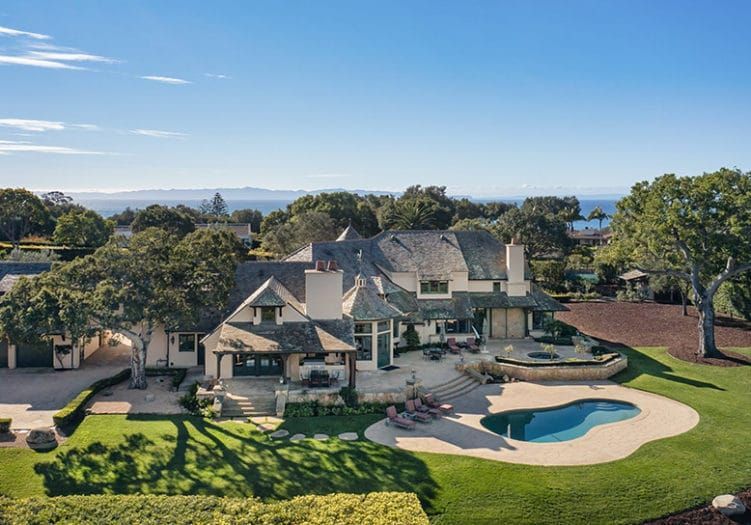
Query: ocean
{"points": [[107, 207]]}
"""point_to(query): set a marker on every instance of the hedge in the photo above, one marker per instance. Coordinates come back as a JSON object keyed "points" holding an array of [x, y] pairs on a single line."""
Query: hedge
{"points": [[376, 508], [314, 408], [74, 411]]}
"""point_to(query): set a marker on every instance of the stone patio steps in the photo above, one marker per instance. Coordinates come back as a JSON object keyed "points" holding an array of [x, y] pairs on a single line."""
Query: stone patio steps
{"points": [[236, 406], [457, 387]]}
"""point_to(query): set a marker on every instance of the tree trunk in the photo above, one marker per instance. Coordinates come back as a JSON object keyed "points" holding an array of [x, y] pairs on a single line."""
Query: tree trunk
{"points": [[138, 365], [684, 302], [707, 345]]}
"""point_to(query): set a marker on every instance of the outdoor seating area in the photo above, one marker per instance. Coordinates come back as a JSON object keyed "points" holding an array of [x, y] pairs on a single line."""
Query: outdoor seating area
{"points": [[321, 379]]}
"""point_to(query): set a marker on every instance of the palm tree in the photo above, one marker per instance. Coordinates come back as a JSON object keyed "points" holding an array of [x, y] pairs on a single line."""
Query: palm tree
{"points": [[413, 215], [598, 215]]}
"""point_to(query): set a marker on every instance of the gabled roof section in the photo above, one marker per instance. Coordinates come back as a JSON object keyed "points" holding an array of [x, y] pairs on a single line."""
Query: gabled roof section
{"points": [[362, 303], [288, 283], [484, 255], [349, 234], [23, 268]]}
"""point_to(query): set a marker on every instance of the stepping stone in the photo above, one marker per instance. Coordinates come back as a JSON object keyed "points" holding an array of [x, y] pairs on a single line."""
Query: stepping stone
{"points": [[321, 437], [280, 434], [297, 437], [348, 436]]}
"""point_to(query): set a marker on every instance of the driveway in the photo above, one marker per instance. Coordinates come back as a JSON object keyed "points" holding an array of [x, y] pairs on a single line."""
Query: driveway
{"points": [[31, 396]]}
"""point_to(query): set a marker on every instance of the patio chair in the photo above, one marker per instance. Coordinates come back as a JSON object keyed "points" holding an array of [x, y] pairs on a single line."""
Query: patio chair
{"points": [[445, 408], [422, 417], [393, 418], [472, 345], [434, 412], [453, 346]]}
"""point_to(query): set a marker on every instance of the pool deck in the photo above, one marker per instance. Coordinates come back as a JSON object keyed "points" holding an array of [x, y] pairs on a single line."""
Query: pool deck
{"points": [[462, 433]]}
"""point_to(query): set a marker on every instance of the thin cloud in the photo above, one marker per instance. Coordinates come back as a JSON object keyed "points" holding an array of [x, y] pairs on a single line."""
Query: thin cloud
{"points": [[160, 134], [7, 31], [9, 147], [214, 75], [70, 57], [166, 80], [32, 125], [35, 62]]}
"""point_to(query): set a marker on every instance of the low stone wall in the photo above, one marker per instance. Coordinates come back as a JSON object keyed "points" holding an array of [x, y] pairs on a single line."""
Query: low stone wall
{"points": [[333, 398], [562, 372]]}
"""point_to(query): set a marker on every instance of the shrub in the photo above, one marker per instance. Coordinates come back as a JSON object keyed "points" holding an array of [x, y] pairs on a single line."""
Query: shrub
{"points": [[377, 508], [349, 395], [197, 407], [314, 408], [5, 424], [74, 411], [411, 337]]}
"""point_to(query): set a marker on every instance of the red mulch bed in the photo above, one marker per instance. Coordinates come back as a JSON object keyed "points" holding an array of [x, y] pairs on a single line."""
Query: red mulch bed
{"points": [[652, 324], [707, 515]]}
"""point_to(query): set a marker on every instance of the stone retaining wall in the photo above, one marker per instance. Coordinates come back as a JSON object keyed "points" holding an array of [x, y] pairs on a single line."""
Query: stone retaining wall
{"points": [[553, 373]]}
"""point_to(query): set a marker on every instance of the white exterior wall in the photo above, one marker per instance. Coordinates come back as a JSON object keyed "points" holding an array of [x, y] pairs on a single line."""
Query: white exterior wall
{"points": [[73, 359], [11, 356], [157, 349], [323, 294], [483, 286]]}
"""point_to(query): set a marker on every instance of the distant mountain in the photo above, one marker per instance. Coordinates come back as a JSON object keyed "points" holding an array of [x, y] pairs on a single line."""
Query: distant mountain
{"points": [[245, 194]]}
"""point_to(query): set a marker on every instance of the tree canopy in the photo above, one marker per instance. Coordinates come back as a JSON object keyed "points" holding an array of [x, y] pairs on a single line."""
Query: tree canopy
{"points": [[172, 220], [697, 229], [82, 228], [21, 213]]}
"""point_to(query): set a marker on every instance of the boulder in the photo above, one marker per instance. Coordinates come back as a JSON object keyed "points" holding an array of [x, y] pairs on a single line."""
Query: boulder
{"points": [[41, 439], [506, 379], [729, 505]]}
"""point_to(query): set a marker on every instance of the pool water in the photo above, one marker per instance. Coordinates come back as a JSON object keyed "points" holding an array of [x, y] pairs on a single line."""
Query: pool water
{"points": [[550, 425]]}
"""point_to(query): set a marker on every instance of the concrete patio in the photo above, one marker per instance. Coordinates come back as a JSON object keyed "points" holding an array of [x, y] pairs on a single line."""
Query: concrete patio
{"points": [[463, 434]]}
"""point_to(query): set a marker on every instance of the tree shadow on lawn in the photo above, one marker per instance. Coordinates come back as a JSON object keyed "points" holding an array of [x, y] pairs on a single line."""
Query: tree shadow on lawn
{"points": [[640, 363], [202, 457]]}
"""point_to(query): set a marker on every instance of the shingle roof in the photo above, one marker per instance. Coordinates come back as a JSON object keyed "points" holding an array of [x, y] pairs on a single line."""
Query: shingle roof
{"points": [[349, 234], [432, 254], [458, 307], [249, 276], [290, 337], [484, 255], [362, 303], [23, 268]]}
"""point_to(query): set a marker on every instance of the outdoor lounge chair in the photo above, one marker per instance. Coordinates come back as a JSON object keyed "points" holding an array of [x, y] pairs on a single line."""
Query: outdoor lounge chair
{"points": [[393, 418], [445, 408], [434, 412], [472, 345], [422, 417], [453, 347]]}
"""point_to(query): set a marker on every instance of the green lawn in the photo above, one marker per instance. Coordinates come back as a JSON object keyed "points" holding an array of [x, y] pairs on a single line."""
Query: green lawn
{"points": [[178, 455]]}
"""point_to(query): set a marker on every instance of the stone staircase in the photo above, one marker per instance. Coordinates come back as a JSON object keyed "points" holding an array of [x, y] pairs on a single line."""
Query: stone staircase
{"points": [[235, 406], [457, 387]]}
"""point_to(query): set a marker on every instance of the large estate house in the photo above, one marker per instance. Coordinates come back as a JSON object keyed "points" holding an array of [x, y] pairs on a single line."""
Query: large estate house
{"points": [[346, 305]]}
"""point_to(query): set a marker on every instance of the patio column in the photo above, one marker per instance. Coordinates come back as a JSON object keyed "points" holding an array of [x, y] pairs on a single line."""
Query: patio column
{"points": [[352, 363], [285, 358]]}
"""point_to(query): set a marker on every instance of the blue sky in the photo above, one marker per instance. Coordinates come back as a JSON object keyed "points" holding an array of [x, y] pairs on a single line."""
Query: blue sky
{"points": [[488, 98]]}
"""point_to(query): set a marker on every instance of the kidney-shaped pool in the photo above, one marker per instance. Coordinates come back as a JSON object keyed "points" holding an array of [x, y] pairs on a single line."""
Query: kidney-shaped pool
{"points": [[561, 423]]}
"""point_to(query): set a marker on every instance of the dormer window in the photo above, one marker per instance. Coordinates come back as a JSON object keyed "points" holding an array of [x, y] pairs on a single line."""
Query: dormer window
{"points": [[434, 287], [268, 314], [497, 287]]}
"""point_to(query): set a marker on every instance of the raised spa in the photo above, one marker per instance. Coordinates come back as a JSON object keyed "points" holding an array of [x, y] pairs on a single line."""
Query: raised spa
{"points": [[562, 423]]}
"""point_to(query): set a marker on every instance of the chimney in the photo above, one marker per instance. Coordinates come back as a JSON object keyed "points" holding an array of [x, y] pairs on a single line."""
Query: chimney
{"points": [[515, 263], [323, 291]]}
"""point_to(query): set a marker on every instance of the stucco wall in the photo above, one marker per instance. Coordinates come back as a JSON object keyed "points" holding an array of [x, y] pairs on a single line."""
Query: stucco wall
{"points": [[323, 294]]}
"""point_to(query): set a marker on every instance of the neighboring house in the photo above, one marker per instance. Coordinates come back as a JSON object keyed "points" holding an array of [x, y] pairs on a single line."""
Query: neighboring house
{"points": [[591, 236], [345, 304], [638, 281], [241, 230]]}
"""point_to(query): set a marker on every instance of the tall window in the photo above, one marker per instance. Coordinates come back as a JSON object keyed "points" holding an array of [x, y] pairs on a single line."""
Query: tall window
{"points": [[434, 287], [268, 314], [456, 326], [364, 341], [186, 343]]}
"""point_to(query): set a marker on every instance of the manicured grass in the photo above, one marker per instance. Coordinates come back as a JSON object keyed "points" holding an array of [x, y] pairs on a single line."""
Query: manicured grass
{"points": [[180, 455]]}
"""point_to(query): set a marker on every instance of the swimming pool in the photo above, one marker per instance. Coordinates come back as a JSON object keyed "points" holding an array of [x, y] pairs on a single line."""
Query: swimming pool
{"points": [[562, 423]]}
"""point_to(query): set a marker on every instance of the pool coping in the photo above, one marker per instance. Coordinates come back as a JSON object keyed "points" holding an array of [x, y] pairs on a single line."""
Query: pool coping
{"points": [[463, 434]]}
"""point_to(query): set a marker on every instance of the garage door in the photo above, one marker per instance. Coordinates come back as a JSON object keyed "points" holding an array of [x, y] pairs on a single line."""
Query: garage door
{"points": [[37, 355], [3, 354]]}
